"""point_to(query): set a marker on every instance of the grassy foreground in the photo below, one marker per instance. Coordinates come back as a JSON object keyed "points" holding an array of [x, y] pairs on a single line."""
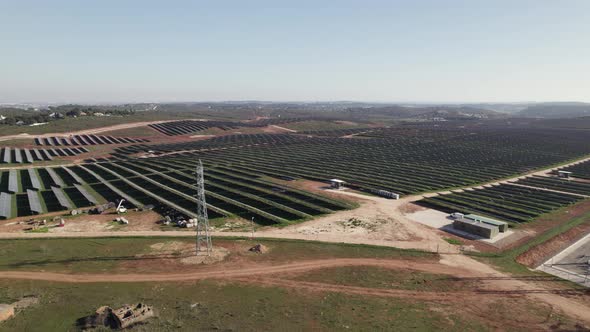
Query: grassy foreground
{"points": [[208, 305], [227, 305], [109, 254]]}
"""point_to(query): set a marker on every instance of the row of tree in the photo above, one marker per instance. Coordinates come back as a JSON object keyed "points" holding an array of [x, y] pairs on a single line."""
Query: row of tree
{"points": [[11, 116]]}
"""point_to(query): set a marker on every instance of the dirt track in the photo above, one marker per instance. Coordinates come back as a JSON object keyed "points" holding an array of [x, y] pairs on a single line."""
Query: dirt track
{"points": [[300, 266]]}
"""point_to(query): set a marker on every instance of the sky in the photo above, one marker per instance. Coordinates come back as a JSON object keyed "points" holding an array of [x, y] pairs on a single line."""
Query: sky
{"points": [[385, 51]]}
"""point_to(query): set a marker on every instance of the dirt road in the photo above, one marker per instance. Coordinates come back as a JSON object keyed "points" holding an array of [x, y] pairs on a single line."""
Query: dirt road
{"points": [[300, 266]]}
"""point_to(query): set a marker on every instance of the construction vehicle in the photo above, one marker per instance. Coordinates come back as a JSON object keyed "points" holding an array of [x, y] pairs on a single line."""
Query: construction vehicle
{"points": [[120, 208]]}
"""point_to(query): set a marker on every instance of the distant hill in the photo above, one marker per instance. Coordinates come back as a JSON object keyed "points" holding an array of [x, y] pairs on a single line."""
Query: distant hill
{"points": [[570, 123], [510, 108], [556, 110], [426, 113]]}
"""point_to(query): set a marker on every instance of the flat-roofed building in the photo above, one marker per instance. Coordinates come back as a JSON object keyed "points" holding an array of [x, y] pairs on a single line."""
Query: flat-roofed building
{"points": [[475, 227]]}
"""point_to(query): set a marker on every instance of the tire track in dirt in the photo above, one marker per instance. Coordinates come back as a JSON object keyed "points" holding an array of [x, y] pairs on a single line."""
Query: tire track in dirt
{"points": [[357, 290], [301, 266]]}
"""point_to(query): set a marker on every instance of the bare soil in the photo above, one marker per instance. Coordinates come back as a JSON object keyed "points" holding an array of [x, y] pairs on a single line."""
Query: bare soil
{"points": [[86, 223]]}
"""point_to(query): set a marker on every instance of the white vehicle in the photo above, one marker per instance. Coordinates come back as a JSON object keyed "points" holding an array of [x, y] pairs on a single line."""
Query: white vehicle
{"points": [[120, 208]]}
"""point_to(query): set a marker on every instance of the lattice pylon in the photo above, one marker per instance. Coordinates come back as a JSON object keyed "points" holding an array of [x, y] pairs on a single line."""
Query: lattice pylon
{"points": [[204, 244]]}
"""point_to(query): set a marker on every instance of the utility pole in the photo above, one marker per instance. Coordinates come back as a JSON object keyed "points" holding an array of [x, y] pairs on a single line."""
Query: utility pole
{"points": [[203, 237]]}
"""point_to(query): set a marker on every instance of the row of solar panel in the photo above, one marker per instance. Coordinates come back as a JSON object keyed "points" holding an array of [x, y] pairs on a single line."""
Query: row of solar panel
{"points": [[86, 140], [37, 179], [55, 199], [191, 126], [19, 156]]}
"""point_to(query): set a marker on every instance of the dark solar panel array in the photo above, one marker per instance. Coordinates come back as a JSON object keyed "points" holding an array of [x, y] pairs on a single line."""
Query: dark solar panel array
{"points": [[61, 198], [19, 156], [86, 140], [86, 194], [185, 127]]}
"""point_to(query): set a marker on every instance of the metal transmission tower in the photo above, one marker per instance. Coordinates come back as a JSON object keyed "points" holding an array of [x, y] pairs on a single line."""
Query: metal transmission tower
{"points": [[203, 238]]}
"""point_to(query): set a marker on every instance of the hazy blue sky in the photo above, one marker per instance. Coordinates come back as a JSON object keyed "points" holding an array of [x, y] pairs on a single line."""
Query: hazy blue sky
{"points": [[414, 50]]}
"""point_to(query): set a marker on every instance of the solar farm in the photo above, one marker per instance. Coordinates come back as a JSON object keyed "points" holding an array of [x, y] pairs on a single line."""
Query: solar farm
{"points": [[141, 183], [337, 203], [86, 140], [242, 170]]}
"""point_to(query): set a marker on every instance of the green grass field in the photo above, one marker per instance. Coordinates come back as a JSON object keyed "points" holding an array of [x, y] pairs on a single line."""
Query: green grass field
{"points": [[90, 122], [209, 305], [229, 305], [108, 254], [376, 277]]}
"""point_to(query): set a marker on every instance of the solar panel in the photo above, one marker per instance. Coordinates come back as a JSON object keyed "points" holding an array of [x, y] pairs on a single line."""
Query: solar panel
{"points": [[28, 156], [34, 202], [37, 154], [35, 183], [92, 139], [6, 156], [99, 139], [46, 155], [56, 179], [74, 175], [108, 139], [5, 205], [12, 181], [63, 201], [18, 158], [89, 197], [60, 152]]}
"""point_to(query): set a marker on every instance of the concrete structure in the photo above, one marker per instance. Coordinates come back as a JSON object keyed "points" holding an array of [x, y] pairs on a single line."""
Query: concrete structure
{"points": [[336, 183], [502, 226], [475, 227]]}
